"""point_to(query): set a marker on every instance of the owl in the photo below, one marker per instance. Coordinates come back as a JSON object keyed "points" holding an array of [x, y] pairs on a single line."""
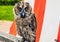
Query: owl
{"points": [[26, 23]]}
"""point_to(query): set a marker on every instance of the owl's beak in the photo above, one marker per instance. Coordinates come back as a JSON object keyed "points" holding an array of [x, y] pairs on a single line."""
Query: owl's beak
{"points": [[22, 14]]}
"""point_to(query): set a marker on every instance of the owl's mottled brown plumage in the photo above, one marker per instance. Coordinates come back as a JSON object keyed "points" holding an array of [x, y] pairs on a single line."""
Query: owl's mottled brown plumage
{"points": [[25, 21]]}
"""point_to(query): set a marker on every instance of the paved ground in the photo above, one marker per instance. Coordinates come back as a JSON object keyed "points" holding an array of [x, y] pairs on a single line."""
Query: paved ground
{"points": [[5, 25]]}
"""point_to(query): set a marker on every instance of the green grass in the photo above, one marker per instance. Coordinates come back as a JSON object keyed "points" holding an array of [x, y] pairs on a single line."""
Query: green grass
{"points": [[6, 13]]}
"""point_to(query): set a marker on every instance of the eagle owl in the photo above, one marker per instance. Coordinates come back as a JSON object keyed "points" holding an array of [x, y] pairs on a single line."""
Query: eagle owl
{"points": [[25, 21]]}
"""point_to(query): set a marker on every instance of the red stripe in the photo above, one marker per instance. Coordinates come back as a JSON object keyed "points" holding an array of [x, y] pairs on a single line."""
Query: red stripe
{"points": [[59, 34], [39, 9], [36, 6]]}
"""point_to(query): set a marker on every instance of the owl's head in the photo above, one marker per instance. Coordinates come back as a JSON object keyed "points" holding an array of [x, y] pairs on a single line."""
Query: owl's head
{"points": [[22, 9]]}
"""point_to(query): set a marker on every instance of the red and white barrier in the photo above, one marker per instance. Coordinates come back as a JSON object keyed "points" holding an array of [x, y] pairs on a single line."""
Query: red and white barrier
{"points": [[47, 13]]}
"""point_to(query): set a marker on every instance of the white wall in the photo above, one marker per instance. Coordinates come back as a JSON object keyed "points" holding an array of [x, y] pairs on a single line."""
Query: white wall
{"points": [[51, 21]]}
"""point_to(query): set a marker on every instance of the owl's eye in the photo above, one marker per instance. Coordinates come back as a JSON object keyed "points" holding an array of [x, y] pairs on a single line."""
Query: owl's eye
{"points": [[26, 9], [20, 9]]}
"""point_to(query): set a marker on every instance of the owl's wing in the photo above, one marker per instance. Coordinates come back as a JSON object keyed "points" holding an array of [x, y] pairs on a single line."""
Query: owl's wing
{"points": [[34, 22]]}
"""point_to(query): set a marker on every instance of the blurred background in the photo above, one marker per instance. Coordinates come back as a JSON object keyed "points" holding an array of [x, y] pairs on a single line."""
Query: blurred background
{"points": [[6, 14], [6, 9]]}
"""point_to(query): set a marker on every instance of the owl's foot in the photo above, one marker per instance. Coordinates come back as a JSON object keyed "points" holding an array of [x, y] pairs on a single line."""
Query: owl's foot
{"points": [[56, 40]]}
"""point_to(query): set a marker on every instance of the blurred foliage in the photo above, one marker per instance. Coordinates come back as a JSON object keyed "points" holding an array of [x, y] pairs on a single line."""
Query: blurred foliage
{"points": [[6, 9], [8, 2], [6, 13]]}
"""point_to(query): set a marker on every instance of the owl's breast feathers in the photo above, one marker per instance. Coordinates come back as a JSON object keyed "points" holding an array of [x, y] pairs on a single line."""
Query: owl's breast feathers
{"points": [[28, 21]]}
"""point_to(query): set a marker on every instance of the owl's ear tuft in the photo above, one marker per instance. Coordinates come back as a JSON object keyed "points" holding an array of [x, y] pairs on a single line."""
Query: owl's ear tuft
{"points": [[15, 9]]}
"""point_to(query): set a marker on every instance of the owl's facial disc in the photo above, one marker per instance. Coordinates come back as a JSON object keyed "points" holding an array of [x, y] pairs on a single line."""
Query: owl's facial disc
{"points": [[24, 12], [23, 9]]}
